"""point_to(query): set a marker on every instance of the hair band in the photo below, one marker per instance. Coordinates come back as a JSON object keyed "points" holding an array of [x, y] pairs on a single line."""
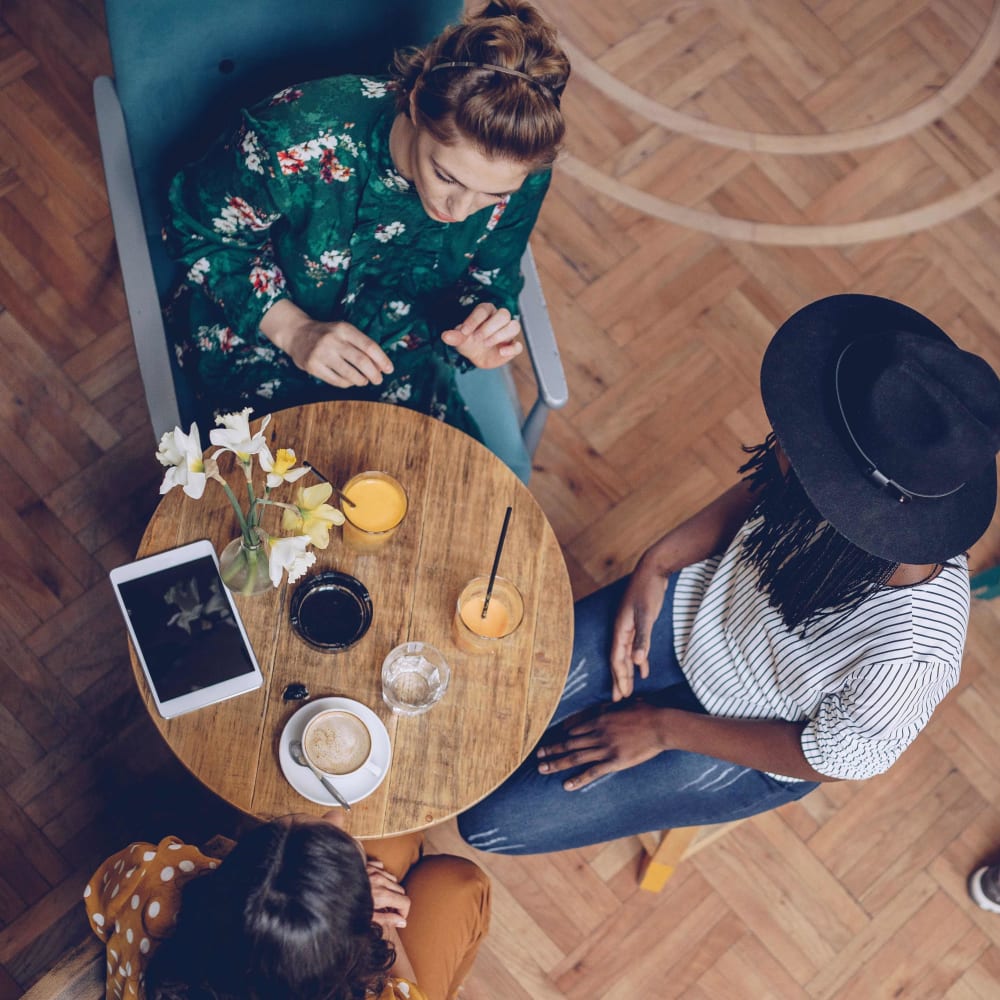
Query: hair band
{"points": [[495, 69]]}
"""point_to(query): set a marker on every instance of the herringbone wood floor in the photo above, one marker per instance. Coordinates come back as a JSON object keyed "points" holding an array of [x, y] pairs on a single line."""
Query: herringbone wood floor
{"points": [[695, 209]]}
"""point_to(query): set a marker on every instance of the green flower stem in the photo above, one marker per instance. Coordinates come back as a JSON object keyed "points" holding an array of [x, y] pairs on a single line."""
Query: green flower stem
{"points": [[248, 472], [254, 569], [278, 503], [248, 529], [245, 568]]}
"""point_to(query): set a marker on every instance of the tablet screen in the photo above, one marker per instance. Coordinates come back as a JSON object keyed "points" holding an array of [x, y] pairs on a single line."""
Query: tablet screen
{"points": [[184, 623]]}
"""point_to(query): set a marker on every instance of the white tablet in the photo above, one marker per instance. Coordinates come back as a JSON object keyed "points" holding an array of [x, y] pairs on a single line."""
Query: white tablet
{"points": [[185, 629]]}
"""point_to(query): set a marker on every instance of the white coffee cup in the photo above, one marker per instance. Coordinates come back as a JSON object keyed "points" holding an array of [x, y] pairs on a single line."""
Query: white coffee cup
{"points": [[337, 742]]}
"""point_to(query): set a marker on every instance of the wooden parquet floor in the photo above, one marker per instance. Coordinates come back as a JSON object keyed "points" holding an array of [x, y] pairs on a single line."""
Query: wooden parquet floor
{"points": [[728, 161]]}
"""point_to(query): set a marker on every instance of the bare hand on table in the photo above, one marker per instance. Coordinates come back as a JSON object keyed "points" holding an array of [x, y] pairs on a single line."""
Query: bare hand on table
{"points": [[640, 607], [614, 741], [487, 336]]}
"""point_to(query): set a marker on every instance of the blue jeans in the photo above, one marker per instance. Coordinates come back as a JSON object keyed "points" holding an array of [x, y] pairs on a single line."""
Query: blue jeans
{"points": [[531, 813]]}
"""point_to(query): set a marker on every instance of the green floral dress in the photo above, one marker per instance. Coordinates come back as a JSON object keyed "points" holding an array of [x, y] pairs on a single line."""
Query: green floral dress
{"points": [[304, 202]]}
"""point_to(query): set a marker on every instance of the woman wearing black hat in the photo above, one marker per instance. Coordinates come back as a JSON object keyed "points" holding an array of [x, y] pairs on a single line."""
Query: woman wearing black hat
{"points": [[800, 628]]}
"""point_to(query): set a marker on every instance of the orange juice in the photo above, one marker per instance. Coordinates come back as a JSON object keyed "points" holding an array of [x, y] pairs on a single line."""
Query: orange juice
{"points": [[476, 634], [496, 623], [379, 508]]}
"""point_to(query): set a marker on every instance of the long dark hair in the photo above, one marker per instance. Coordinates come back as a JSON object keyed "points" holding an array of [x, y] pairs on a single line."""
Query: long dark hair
{"points": [[808, 570], [286, 916]]}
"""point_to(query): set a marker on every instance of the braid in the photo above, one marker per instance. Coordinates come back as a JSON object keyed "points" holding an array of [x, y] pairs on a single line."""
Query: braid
{"points": [[807, 568]]}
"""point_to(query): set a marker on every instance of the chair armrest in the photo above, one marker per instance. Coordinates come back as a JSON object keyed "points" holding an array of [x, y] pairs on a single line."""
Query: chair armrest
{"points": [[540, 338], [133, 256]]}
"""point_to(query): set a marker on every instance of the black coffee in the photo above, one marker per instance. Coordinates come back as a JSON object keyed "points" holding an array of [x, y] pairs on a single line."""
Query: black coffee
{"points": [[331, 617]]}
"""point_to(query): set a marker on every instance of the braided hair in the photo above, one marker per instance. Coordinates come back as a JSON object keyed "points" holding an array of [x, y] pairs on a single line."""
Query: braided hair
{"points": [[806, 567]]}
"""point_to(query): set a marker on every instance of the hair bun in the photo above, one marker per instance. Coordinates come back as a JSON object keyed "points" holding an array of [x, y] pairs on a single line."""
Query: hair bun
{"points": [[523, 11]]}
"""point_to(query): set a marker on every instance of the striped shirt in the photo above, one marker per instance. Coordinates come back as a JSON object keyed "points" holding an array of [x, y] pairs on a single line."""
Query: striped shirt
{"points": [[865, 683]]}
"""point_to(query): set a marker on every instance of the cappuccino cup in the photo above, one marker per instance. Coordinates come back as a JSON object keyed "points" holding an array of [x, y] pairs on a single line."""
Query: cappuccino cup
{"points": [[337, 742]]}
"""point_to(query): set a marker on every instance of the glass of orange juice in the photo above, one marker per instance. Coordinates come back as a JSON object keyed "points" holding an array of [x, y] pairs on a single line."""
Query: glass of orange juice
{"points": [[475, 633], [379, 508]]}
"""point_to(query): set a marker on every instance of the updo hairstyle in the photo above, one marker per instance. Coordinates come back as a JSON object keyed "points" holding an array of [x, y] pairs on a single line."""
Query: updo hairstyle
{"points": [[506, 115]]}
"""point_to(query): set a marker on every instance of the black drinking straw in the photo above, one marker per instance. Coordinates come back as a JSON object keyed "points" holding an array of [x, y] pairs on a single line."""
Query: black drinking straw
{"points": [[496, 561], [336, 489]]}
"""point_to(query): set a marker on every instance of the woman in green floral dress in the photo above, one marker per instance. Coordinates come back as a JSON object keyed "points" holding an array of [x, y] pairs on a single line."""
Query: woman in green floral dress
{"points": [[360, 237]]}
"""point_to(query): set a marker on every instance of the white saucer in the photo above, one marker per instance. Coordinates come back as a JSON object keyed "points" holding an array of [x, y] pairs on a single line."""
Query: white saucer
{"points": [[354, 787]]}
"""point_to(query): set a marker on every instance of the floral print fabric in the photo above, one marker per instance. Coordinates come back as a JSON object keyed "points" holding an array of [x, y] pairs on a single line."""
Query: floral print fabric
{"points": [[303, 201]]}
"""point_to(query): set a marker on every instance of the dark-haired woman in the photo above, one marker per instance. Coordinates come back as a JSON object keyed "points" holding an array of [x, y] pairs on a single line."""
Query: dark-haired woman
{"points": [[295, 911], [803, 626], [361, 237]]}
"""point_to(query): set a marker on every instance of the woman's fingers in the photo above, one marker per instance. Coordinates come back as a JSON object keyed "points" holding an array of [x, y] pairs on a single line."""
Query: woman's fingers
{"points": [[389, 899], [580, 747], [631, 636], [622, 668], [488, 337], [479, 315], [597, 755], [613, 741], [344, 356]]}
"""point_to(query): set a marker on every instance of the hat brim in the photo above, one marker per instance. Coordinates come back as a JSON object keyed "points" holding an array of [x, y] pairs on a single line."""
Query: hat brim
{"points": [[796, 382]]}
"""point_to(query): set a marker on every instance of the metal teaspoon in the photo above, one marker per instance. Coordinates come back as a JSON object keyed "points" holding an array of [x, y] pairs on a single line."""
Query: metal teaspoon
{"points": [[295, 749]]}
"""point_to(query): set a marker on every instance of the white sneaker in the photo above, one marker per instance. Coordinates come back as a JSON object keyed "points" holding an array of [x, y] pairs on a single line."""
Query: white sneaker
{"points": [[983, 895]]}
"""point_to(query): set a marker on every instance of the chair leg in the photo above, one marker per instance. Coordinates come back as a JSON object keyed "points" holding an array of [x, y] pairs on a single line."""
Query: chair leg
{"points": [[664, 857]]}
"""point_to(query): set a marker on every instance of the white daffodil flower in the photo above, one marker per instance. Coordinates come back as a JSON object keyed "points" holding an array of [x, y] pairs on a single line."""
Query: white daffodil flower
{"points": [[289, 554], [182, 455], [234, 435], [281, 468]]}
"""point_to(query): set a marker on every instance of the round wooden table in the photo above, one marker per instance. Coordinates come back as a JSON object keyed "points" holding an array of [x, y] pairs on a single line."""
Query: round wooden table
{"points": [[498, 703]]}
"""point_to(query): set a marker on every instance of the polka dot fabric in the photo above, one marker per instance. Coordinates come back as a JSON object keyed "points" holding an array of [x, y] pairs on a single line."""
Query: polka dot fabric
{"points": [[132, 902]]}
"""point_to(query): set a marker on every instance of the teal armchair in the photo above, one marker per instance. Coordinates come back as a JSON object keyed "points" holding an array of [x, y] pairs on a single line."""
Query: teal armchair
{"points": [[181, 69]]}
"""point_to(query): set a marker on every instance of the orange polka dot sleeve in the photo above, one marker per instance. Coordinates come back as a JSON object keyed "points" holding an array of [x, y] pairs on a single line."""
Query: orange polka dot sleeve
{"points": [[132, 903]]}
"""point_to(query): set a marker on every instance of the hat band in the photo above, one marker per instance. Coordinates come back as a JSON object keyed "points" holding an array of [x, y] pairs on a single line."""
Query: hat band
{"points": [[876, 475]]}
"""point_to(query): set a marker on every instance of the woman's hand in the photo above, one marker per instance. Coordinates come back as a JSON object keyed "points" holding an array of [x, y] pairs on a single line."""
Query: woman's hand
{"points": [[614, 741], [640, 607], [338, 353], [391, 903], [487, 336]]}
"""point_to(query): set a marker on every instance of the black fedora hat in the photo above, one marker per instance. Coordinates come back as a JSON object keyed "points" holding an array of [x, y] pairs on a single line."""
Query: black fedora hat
{"points": [[891, 428]]}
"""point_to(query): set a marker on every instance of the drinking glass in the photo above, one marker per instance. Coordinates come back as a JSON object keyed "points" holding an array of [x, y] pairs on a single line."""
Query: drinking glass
{"points": [[414, 677], [380, 505], [473, 632]]}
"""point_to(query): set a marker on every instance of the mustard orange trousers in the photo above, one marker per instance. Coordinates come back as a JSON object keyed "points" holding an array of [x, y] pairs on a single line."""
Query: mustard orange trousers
{"points": [[449, 911]]}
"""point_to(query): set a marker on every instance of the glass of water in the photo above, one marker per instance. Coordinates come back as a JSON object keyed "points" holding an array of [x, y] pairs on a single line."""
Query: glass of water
{"points": [[414, 677]]}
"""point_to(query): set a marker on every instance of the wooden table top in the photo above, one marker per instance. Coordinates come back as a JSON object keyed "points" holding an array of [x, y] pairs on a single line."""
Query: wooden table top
{"points": [[498, 704]]}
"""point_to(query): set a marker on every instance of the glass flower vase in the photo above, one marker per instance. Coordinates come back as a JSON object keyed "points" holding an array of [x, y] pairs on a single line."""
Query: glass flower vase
{"points": [[243, 566]]}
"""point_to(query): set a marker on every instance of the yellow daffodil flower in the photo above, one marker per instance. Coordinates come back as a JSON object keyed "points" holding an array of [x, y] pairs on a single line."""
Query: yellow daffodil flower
{"points": [[313, 516], [281, 468]]}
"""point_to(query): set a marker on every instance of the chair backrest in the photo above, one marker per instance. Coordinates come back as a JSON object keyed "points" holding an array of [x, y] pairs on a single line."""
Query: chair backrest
{"points": [[184, 67]]}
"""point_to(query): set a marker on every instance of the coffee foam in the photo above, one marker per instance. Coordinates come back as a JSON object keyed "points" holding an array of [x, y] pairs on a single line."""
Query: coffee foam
{"points": [[337, 742]]}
